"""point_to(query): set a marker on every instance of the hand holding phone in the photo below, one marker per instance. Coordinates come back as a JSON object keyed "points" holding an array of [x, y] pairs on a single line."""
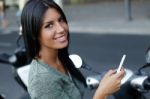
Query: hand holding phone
{"points": [[121, 63]]}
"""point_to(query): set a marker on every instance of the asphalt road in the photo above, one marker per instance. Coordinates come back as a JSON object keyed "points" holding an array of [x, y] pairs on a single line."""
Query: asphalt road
{"points": [[102, 52]]}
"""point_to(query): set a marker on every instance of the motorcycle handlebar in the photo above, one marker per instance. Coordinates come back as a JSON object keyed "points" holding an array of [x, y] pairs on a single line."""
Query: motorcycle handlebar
{"points": [[139, 82], [94, 80], [4, 58], [146, 84], [17, 59]]}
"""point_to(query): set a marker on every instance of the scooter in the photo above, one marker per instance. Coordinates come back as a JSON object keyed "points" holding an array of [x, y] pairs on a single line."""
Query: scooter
{"points": [[2, 96], [134, 84], [15, 60]]}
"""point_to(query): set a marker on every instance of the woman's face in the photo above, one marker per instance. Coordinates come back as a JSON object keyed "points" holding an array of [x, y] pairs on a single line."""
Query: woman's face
{"points": [[54, 31]]}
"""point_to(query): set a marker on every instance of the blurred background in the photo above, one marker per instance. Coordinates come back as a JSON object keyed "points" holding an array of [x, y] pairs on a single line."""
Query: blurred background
{"points": [[101, 32]]}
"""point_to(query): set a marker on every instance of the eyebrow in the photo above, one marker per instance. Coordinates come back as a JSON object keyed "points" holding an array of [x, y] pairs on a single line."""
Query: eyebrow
{"points": [[50, 21], [47, 22]]}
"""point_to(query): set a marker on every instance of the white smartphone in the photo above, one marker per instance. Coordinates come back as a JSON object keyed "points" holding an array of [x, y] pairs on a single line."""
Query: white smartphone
{"points": [[121, 63]]}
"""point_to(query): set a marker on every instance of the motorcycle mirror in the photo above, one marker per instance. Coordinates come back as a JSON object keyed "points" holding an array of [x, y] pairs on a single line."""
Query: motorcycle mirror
{"points": [[76, 59], [78, 62], [147, 56]]}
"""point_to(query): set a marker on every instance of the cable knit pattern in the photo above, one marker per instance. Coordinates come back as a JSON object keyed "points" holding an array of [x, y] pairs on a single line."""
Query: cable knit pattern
{"points": [[46, 82]]}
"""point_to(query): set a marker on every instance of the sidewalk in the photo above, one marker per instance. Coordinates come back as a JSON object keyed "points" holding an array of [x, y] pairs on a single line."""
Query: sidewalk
{"points": [[102, 18], [109, 17]]}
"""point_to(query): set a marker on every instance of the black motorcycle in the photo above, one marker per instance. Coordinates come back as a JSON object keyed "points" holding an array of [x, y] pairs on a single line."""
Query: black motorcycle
{"points": [[134, 84]]}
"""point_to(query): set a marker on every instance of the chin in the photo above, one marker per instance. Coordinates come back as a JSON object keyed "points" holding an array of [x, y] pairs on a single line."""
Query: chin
{"points": [[63, 45]]}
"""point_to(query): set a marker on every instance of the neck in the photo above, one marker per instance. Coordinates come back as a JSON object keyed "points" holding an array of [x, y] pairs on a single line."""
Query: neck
{"points": [[48, 56], [51, 58]]}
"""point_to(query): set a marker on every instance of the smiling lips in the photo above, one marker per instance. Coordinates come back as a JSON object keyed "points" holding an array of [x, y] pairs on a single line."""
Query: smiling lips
{"points": [[62, 38]]}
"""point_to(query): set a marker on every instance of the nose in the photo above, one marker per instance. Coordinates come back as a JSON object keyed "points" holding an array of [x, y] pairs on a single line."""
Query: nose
{"points": [[60, 28]]}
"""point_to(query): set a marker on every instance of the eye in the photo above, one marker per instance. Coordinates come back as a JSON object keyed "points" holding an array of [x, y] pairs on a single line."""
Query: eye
{"points": [[49, 25], [61, 19]]}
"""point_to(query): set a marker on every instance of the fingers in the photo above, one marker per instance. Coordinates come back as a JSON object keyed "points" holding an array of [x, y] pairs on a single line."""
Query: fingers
{"points": [[111, 82], [121, 73], [110, 72]]}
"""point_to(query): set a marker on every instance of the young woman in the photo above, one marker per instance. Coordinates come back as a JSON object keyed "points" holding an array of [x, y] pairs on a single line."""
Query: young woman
{"points": [[52, 74]]}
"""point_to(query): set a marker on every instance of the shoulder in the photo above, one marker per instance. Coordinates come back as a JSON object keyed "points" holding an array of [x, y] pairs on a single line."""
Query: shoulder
{"points": [[43, 83], [44, 87], [40, 74]]}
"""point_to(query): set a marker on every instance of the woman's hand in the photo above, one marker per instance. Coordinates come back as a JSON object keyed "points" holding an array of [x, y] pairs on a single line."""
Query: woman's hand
{"points": [[110, 83]]}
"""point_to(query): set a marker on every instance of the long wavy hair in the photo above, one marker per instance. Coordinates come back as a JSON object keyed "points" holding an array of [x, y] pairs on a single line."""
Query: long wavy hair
{"points": [[31, 21]]}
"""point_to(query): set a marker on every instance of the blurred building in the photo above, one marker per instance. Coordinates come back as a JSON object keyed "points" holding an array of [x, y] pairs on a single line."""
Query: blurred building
{"points": [[12, 2], [94, 1]]}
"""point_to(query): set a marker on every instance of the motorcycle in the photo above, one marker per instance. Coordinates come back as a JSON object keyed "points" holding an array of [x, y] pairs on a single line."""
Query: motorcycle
{"points": [[15, 60], [133, 85], [2, 96]]}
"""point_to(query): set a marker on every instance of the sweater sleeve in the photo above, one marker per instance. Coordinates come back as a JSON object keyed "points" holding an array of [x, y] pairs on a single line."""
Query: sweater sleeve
{"points": [[45, 88]]}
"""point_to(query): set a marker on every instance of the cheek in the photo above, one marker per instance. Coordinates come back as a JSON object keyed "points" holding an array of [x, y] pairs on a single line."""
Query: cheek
{"points": [[46, 35], [66, 27]]}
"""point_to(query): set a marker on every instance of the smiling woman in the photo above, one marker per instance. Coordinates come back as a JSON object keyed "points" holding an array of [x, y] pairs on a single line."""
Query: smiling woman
{"points": [[46, 37], [52, 74]]}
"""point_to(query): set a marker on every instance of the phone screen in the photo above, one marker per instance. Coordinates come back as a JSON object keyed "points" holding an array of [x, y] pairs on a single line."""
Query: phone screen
{"points": [[121, 63]]}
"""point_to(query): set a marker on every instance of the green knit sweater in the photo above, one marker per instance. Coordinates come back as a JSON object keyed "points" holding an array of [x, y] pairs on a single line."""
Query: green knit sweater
{"points": [[46, 82]]}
